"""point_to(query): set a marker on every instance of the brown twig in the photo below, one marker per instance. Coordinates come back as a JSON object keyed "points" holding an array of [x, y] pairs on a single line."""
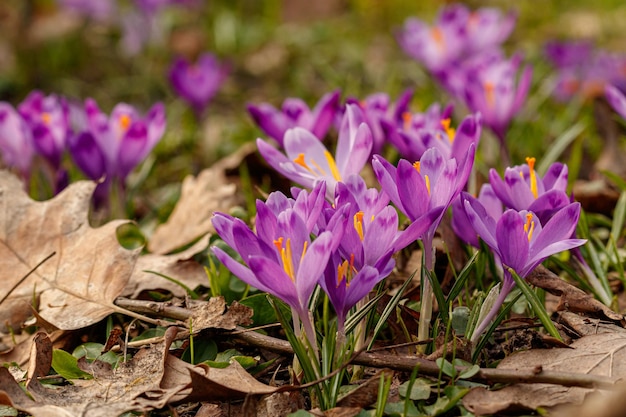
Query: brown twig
{"points": [[405, 363]]}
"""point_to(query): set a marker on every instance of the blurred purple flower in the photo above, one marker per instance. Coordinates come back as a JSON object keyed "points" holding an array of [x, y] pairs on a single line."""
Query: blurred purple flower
{"points": [[306, 161], [520, 242], [114, 145], [99, 10], [523, 189], [295, 113], [568, 54], [16, 142], [154, 6], [197, 83], [379, 110], [456, 34], [583, 71], [415, 138], [48, 120], [494, 89], [616, 99]]}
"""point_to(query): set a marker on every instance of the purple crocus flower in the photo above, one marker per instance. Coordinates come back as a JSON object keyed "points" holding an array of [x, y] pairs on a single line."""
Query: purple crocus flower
{"points": [[568, 54], [16, 142], [371, 237], [520, 242], [494, 89], [295, 113], [523, 189], [101, 10], [456, 34], [48, 120], [433, 182], [416, 189], [280, 258], [379, 111], [114, 145], [415, 139], [584, 71], [197, 83], [306, 161], [438, 45], [460, 223]]}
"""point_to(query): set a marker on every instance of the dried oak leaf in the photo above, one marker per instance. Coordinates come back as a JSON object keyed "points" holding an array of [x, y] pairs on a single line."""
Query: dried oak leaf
{"points": [[179, 266], [200, 197], [134, 385], [214, 315], [602, 354], [88, 270], [571, 298]]}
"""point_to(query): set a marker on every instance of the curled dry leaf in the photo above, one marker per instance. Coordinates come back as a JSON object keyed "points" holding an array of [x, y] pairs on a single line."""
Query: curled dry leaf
{"points": [[134, 385], [571, 298], [88, 268], [601, 354], [200, 197]]}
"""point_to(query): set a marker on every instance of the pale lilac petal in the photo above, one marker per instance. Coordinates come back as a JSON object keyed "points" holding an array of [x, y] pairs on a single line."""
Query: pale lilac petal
{"points": [[412, 190], [483, 224], [270, 120], [561, 226], [386, 176], [239, 270], [324, 113], [313, 264], [616, 99]]}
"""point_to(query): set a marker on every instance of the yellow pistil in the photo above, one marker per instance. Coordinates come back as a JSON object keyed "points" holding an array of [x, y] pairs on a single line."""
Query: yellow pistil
{"points": [[346, 270], [489, 93], [529, 227], [358, 224], [46, 118], [417, 166], [450, 131], [332, 165], [437, 36], [407, 118], [124, 121], [533, 176], [300, 161], [285, 256], [317, 170]]}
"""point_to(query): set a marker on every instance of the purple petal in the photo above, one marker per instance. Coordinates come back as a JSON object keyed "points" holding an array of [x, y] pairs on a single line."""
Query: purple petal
{"points": [[616, 99], [274, 280], [88, 155], [512, 240]]}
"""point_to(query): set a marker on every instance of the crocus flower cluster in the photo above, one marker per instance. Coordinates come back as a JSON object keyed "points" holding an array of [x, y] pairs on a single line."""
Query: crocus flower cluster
{"points": [[462, 52], [350, 252], [583, 70], [539, 221], [197, 83], [102, 147], [39, 126], [520, 242]]}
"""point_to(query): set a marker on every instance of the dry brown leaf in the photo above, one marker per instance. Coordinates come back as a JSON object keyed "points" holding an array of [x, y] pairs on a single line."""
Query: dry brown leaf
{"points": [[89, 268], [134, 385], [200, 197], [571, 298], [365, 394], [211, 384], [179, 266], [214, 315], [601, 354]]}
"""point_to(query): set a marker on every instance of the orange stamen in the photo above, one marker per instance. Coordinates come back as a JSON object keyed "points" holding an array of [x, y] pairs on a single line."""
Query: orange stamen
{"points": [[533, 176], [489, 93], [450, 131], [358, 224]]}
